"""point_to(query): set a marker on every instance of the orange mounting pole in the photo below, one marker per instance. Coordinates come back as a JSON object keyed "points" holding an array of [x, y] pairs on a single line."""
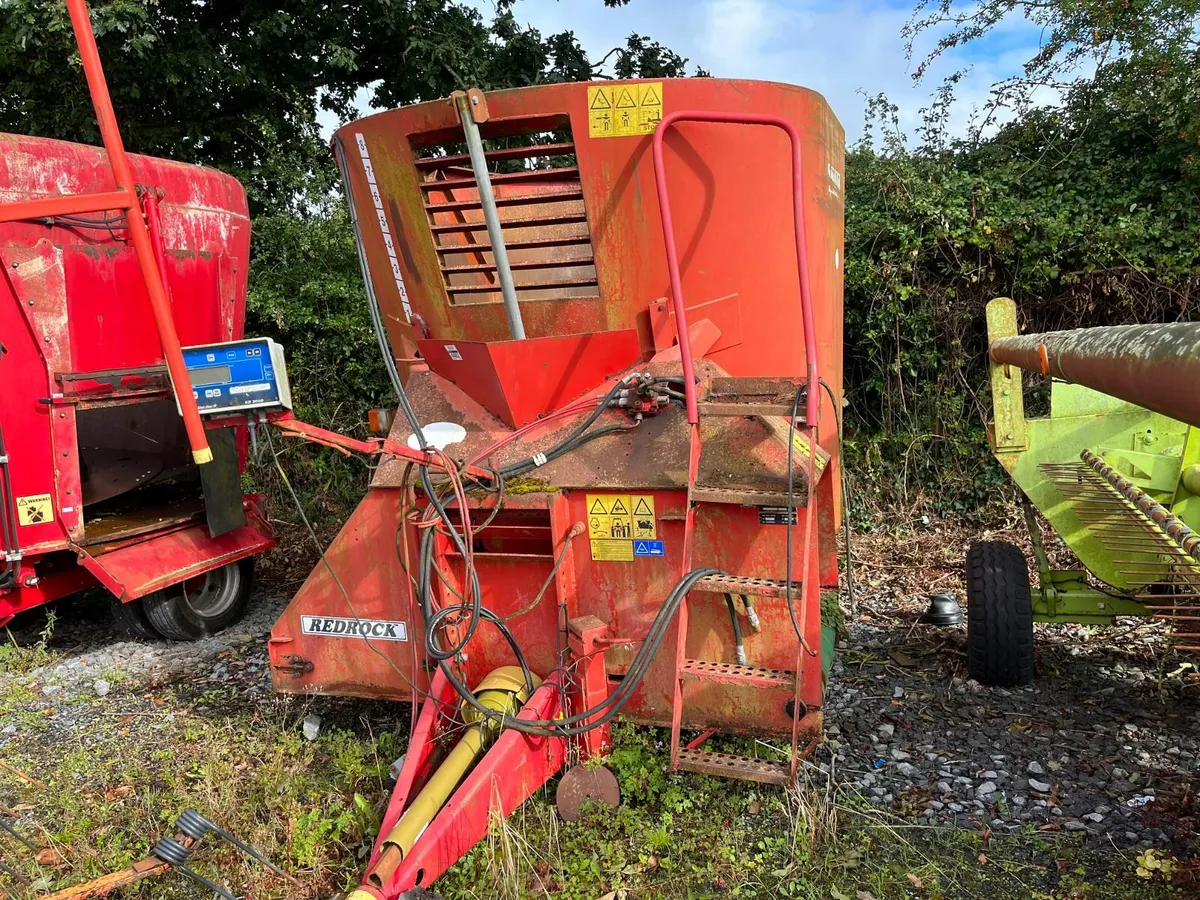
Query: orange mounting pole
{"points": [[105, 117]]}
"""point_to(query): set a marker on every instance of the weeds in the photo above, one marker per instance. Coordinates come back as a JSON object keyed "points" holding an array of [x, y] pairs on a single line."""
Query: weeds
{"points": [[18, 660]]}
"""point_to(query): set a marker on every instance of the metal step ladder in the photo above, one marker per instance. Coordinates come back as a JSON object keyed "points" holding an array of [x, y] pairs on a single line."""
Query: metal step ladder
{"points": [[789, 683], [771, 405]]}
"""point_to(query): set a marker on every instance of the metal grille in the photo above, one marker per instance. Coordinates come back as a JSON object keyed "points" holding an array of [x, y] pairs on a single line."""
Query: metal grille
{"points": [[541, 212], [1145, 540]]}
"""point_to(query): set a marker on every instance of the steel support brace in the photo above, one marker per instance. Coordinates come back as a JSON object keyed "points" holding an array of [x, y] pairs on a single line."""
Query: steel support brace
{"points": [[586, 638], [506, 776]]}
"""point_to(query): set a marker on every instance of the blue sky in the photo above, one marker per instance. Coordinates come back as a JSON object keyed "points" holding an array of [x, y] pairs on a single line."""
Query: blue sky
{"points": [[841, 49]]}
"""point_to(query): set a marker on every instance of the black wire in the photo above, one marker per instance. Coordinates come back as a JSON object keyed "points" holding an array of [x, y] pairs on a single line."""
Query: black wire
{"points": [[791, 506], [837, 421]]}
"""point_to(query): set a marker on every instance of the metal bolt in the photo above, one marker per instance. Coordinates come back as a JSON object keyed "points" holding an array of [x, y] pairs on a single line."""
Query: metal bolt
{"points": [[474, 101], [1009, 436], [62, 415], [47, 339]]}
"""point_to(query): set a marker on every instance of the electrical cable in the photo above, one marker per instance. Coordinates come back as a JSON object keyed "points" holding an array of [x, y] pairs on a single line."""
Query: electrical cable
{"points": [[562, 555], [846, 530], [791, 505]]}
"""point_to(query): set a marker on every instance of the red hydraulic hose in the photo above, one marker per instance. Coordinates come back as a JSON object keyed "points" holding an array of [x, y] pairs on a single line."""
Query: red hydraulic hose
{"points": [[159, 304], [806, 310]]}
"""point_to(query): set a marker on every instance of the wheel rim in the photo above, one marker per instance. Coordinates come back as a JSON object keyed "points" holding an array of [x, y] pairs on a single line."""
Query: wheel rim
{"points": [[213, 593]]}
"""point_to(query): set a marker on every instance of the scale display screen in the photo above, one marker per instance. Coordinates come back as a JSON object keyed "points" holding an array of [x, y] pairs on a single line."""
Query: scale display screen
{"points": [[238, 375], [212, 375]]}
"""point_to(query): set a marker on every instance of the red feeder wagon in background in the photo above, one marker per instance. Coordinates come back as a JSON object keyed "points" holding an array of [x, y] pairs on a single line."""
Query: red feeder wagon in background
{"points": [[613, 314], [106, 478]]}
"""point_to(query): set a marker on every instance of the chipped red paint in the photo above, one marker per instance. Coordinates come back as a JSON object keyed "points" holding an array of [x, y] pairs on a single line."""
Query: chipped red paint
{"points": [[735, 222], [73, 302]]}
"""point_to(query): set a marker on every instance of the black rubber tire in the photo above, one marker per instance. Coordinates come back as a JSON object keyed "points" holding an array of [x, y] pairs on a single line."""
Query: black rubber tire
{"points": [[179, 616], [999, 615], [243, 572], [171, 617], [130, 618]]}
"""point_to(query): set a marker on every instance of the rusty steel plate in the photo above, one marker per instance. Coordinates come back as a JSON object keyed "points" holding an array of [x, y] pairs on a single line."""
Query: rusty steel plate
{"points": [[583, 785]]}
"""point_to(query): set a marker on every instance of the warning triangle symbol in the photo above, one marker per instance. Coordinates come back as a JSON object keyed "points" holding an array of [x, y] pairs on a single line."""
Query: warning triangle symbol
{"points": [[619, 508], [641, 547], [642, 509], [625, 100], [650, 97], [597, 508], [600, 101]]}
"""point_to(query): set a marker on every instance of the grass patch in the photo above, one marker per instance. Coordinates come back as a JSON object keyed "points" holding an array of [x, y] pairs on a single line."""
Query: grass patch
{"points": [[119, 780], [18, 660]]}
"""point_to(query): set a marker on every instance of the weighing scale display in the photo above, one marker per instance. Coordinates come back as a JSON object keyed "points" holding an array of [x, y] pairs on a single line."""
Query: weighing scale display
{"points": [[238, 375]]}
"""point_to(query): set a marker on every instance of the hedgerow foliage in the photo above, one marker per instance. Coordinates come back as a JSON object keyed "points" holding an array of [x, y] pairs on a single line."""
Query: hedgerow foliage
{"points": [[1085, 214]]}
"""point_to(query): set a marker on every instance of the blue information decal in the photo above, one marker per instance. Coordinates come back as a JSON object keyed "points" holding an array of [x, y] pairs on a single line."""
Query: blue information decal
{"points": [[648, 548]]}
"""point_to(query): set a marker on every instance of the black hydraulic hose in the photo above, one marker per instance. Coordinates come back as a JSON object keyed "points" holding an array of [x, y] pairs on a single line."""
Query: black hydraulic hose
{"points": [[8, 521], [612, 705]]}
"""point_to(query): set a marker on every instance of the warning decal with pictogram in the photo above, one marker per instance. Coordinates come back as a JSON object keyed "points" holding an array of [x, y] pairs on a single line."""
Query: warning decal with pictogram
{"points": [[624, 110], [35, 509]]}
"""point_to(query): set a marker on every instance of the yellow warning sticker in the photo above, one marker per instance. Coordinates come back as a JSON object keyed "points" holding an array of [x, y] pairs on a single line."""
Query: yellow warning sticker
{"points": [[624, 110], [34, 509], [644, 525], [613, 551], [622, 519]]}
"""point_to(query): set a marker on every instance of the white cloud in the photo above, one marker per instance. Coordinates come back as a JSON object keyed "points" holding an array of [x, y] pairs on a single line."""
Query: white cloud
{"points": [[844, 50]]}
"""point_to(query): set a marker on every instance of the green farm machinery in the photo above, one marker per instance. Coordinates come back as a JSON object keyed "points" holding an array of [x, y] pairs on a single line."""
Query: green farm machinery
{"points": [[1114, 468]]}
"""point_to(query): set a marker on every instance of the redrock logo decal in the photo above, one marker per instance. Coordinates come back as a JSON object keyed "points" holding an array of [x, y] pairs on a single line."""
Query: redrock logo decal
{"points": [[374, 629]]}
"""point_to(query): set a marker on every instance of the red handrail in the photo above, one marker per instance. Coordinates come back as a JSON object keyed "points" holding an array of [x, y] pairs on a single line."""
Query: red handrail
{"points": [[806, 311]]}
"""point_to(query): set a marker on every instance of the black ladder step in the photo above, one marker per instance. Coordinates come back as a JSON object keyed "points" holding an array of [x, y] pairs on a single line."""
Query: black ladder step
{"points": [[743, 496], [754, 587], [728, 765], [731, 673]]}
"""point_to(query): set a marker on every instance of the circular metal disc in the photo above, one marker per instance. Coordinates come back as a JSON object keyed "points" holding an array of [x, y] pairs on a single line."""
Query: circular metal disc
{"points": [[583, 785]]}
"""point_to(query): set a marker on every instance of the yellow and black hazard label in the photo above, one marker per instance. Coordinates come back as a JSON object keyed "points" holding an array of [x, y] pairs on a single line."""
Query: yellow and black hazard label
{"points": [[617, 523], [35, 509], [624, 110]]}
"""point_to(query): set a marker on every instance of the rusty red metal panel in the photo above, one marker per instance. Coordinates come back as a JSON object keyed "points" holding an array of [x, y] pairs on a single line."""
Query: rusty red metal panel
{"points": [[364, 557], [73, 301], [165, 559], [736, 235], [519, 381]]}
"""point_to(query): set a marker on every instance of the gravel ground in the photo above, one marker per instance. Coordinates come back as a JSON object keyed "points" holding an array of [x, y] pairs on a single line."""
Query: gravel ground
{"points": [[1104, 743]]}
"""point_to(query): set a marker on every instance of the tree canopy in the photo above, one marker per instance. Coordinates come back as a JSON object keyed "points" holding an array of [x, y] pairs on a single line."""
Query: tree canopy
{"points": [[240, 85]]}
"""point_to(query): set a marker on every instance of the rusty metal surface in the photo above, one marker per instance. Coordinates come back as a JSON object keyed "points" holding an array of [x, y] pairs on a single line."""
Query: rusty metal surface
{"points": [[735, 237], [120, 526], [741, 452], [727, 765], [585, 786], [106, 884], [1153, 366]]}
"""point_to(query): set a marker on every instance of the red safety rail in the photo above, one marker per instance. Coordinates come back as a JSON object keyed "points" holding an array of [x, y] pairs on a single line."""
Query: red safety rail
{"points": [[811, 592], [124, 198], [806, 310]]}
